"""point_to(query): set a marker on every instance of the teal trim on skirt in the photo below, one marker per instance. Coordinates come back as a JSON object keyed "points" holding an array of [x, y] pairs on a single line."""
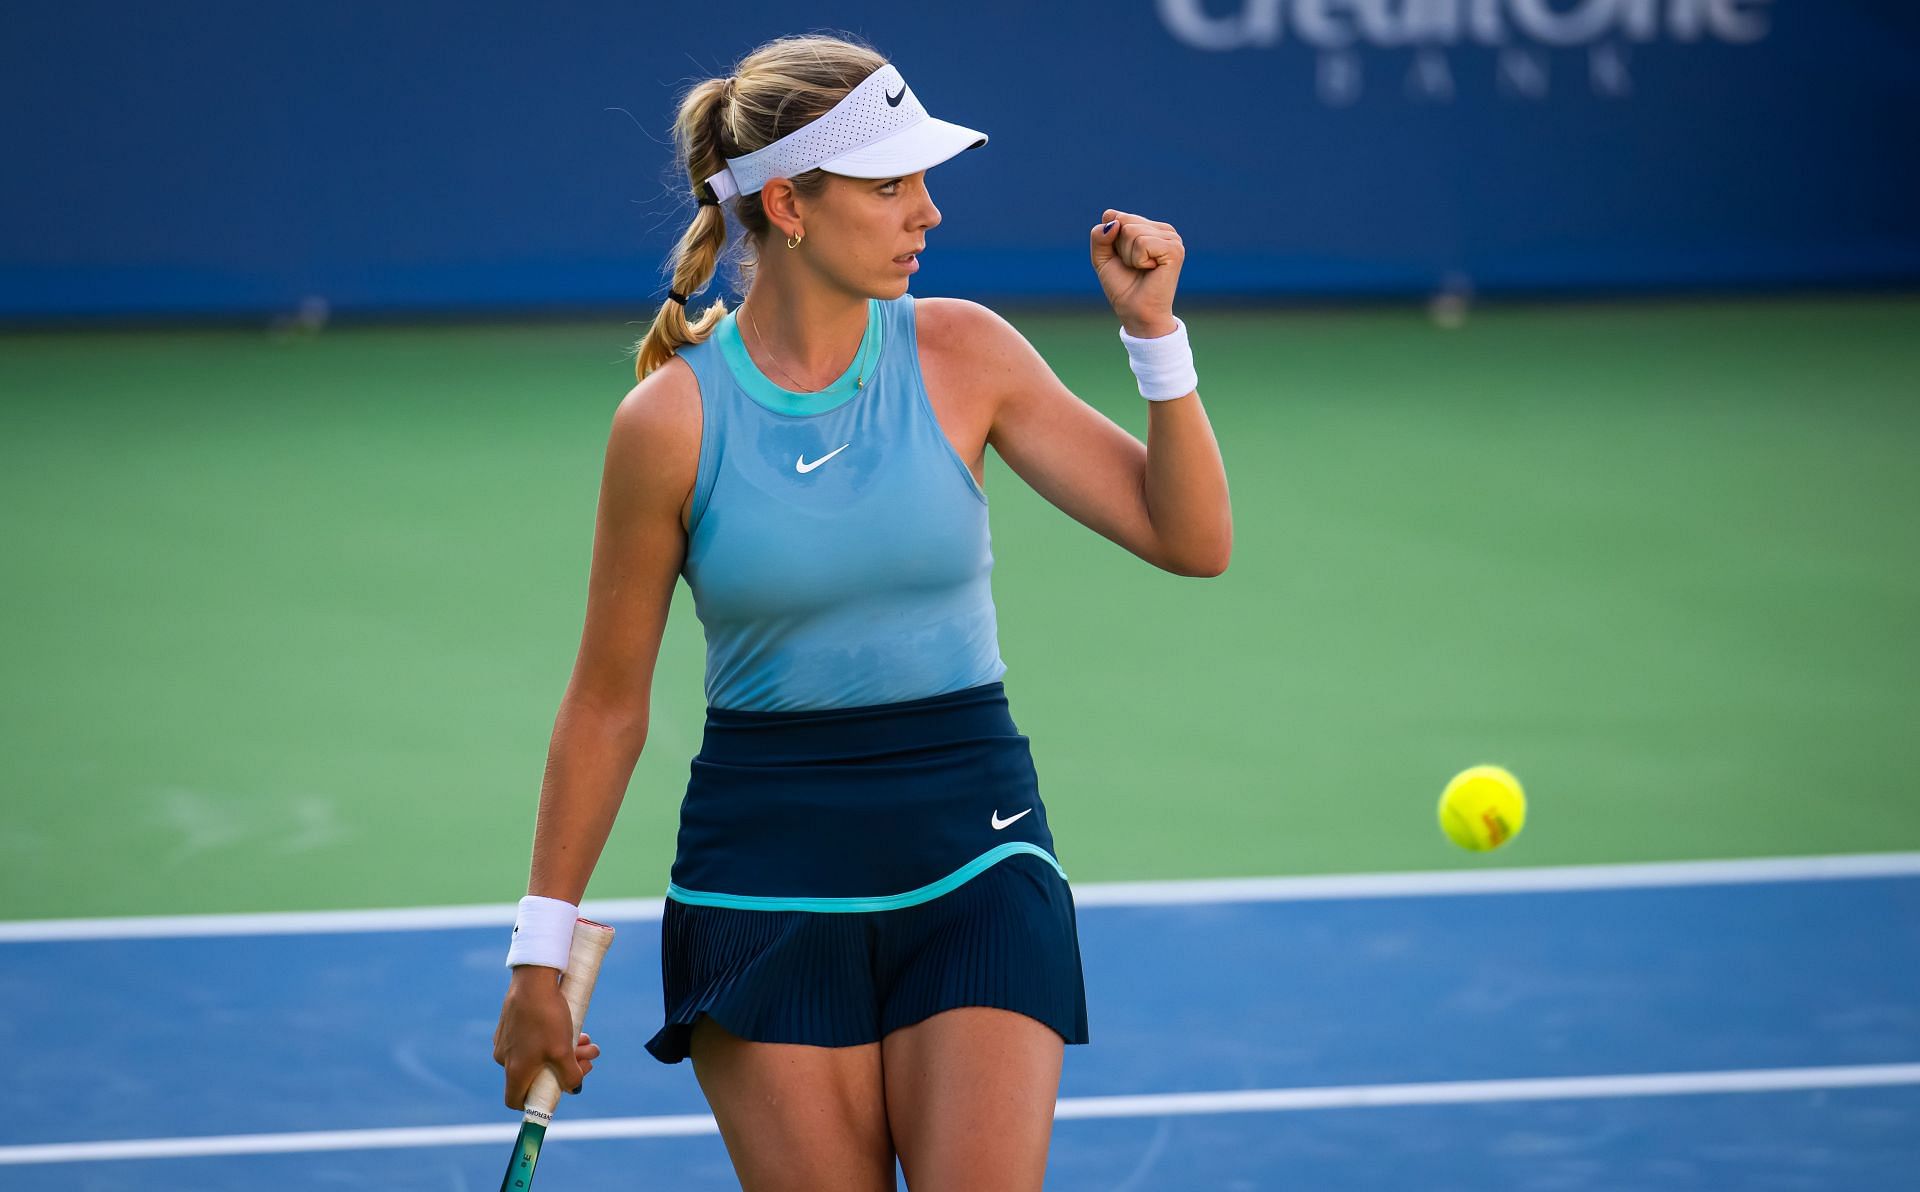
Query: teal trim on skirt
{"points": [[847, 872]]}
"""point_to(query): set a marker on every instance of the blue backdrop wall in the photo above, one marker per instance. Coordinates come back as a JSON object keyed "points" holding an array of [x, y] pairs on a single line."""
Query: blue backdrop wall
{"points": [[216, 156]]}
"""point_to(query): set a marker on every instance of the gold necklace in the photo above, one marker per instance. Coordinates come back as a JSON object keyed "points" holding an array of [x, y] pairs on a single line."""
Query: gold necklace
{"points": [[859, 380]]}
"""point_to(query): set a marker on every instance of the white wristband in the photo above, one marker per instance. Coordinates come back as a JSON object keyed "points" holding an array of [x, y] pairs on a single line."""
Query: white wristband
{"points": [[543, 932], [1164, 364]]}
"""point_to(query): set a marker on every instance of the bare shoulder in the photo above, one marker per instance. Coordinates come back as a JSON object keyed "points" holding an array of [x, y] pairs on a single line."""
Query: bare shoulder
{"points": [[983, 354], [655, 440], [962, 325], [663, 408]]}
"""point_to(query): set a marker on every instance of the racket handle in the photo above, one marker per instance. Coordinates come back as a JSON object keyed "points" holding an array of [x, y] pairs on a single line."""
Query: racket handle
{"points": [[590, 941]]}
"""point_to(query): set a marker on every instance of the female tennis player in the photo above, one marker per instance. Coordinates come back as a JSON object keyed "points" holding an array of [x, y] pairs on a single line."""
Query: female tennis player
{"points": [[869, 947]]}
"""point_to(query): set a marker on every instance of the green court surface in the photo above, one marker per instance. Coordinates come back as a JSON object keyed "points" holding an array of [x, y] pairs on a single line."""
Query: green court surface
{"points": [[286, 620]]}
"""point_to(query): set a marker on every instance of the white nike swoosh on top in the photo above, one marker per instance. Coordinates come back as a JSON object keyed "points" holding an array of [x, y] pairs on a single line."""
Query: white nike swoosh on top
{"points": [[801, 465], [999, 823]]}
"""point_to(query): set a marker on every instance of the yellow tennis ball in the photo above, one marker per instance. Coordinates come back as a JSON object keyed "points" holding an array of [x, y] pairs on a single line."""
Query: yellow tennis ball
{"points": [[1482, 808]]}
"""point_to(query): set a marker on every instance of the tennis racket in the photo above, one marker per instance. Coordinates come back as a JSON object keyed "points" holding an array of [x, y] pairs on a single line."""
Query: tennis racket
{"points": [[590, 942]]}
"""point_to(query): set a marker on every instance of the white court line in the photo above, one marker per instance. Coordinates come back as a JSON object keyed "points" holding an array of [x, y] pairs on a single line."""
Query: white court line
{"points": [[1089, 894], [1359, 1096]]}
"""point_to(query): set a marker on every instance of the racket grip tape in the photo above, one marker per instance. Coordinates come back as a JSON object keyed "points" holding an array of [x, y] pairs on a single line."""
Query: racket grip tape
{"points": [[590, 942]]}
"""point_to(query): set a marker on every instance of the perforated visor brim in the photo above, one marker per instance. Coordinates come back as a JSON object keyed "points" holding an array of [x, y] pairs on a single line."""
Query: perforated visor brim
{"points": [[909, 151]]}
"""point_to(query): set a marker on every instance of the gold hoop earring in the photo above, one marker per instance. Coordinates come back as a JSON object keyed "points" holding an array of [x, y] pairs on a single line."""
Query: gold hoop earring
{"points": [[793, 241]]}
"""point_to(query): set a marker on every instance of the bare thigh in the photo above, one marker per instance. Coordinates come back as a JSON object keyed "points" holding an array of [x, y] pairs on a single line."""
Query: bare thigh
{"points": [[796, 1117], [970, 1096]]}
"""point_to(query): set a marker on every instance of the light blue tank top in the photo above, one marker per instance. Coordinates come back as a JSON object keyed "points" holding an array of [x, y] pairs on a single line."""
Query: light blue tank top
{"points": [[837, 546]]}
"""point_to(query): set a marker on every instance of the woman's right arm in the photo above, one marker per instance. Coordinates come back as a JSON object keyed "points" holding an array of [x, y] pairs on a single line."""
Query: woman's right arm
{"points": [[639, 544], [638, 548]]}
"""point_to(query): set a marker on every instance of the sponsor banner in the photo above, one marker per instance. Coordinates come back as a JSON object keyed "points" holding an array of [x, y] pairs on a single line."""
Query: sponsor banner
{"points": [[218, 157]]}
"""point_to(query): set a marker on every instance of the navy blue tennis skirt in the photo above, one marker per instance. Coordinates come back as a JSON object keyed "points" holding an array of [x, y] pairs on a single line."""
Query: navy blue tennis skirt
{"points": [[844, 872]]}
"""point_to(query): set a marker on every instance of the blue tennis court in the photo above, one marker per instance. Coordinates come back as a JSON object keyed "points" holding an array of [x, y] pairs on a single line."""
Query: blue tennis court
{"points": [[1751, 1025]]}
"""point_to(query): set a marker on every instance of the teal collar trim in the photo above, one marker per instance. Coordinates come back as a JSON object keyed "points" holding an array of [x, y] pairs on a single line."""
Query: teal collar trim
{"points": [[786, 401], [890, 902]]}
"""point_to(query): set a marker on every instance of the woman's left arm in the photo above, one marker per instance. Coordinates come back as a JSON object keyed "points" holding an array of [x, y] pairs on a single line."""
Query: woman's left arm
{"points": [[1166, 500]]}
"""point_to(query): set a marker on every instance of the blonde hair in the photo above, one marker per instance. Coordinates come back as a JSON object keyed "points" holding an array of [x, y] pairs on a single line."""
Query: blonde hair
{"points": [[786, 83]]}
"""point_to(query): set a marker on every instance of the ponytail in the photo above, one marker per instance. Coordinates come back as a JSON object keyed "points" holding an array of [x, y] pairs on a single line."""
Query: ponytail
{"points": [[696, 258], [783, 85]]}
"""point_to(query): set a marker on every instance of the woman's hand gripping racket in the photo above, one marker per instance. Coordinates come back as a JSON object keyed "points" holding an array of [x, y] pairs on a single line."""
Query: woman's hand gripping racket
{"points": [[590, 941]]}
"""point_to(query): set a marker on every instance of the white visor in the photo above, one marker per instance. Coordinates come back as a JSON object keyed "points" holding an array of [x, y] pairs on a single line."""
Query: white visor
{"points": [[878, 131]]}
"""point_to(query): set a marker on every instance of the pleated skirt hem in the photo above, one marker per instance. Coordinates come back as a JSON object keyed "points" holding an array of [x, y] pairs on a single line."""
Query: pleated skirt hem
{"points": [[1005, 938]]}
